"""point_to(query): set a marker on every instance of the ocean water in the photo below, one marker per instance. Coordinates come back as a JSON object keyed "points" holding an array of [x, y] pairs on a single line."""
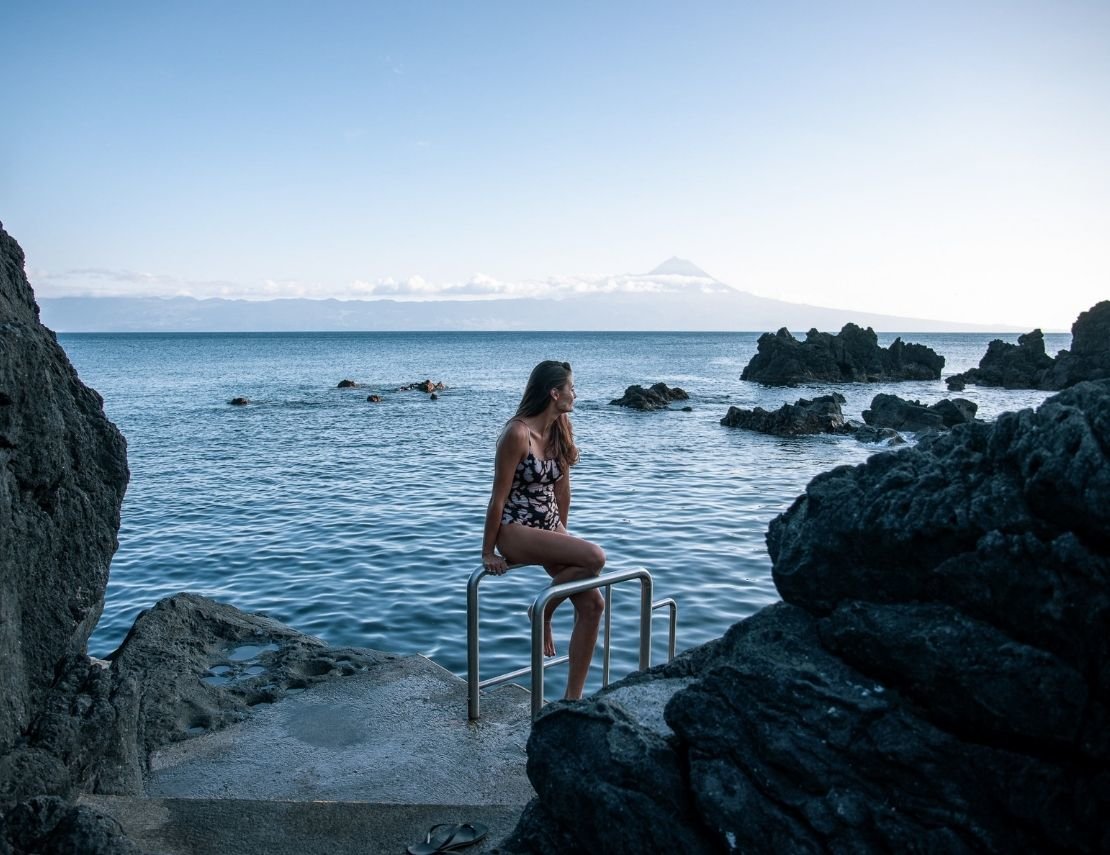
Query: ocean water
{"points": [[360, 523]]}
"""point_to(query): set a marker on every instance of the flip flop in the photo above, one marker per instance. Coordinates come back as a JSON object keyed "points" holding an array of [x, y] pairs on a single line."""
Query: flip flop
{"points": [[447, 837]]}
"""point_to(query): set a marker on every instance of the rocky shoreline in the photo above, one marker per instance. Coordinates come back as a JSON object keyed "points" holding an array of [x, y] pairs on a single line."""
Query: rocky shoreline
{"points": [[936, 677]]}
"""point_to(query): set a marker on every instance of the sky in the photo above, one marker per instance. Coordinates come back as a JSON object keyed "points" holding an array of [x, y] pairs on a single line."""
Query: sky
{"points": [[939, 160]]}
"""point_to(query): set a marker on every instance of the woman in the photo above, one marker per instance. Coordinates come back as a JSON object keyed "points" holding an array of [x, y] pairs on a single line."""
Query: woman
{"points": [[527, 515]]}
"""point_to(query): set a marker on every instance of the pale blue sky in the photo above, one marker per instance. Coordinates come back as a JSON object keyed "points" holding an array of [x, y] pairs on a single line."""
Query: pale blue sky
{"points": [[944, 160]]}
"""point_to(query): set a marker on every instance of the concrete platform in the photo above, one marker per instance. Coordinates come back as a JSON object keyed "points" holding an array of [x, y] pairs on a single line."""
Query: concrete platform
{"points": [[364, 763], [398, 734]]}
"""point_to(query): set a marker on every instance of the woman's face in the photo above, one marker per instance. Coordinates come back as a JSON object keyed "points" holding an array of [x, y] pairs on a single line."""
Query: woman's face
{"points": [[564, 403]]}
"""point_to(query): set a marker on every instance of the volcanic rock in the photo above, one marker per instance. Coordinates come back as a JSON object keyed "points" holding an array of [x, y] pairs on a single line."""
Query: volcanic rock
{"points": [[1089, 356], [890, 411], [937, 679], [374, 399], [239, 402], [852, 355], [1024, 365], [347, 384], [821, 415], [63, 471], [656, 397], [202, 665], [49, 824], [423, 386], [867, 433]]}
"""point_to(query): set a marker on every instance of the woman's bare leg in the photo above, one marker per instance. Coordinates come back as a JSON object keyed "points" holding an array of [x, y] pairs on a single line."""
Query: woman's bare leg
{"points": [[566, 558], [588, 608]]}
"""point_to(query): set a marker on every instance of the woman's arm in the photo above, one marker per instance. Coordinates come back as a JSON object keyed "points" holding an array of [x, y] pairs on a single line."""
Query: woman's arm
{"points": [[511, 446]]}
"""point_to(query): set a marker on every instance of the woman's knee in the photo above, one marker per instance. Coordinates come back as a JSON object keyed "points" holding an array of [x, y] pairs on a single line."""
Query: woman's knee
{"points": [[590, 605], [596, 559]]}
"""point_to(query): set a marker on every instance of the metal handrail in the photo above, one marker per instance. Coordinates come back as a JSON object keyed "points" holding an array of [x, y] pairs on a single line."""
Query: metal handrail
{"points": [[606, 580]]}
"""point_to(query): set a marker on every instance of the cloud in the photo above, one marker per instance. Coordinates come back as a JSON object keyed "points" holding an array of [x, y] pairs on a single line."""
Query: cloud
{"points": [[482, 287], [101, 282]]}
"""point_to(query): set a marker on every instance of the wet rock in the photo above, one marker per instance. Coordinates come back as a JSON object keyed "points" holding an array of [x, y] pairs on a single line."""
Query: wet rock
{"points": [[956, 383], [433, 397], [868, 433], [374, 399], [63, 471], [890, 411], [821, 415], [658, 396], [423, 386], [852, 355], [239, 402], [347, 384], [936, 679]]}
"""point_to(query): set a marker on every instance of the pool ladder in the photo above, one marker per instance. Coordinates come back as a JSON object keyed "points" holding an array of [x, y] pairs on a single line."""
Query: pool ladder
{"points": [[474, 683]]}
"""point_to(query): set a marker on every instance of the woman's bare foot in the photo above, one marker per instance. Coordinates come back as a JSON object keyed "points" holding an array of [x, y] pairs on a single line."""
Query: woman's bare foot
{"points": [[548, 637]]}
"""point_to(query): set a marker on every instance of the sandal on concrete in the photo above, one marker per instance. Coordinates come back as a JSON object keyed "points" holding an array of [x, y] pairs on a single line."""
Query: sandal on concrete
{"points": [[447, 837]]}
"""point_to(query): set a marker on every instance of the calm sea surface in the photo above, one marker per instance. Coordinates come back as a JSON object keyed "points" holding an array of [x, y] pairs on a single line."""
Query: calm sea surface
{"points": [[360, 523]]}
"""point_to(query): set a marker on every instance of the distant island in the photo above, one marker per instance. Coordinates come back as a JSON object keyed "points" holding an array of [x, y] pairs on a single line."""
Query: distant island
{"points": [[675, 296]]}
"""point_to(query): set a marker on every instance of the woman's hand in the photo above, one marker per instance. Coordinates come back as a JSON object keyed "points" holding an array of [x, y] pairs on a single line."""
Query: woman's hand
{"points": [[494, 563]]}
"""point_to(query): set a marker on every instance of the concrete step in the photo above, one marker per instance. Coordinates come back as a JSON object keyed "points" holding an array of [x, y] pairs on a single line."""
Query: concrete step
{"points": [[248, 827]]}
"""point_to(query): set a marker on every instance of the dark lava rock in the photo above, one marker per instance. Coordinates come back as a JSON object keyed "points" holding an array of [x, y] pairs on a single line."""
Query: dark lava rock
{"points": [[890, 411], [423, 386], [49, 824], [1027, 366], [937, 679], [433, 397], [347, 384], [63, 471], [656, 397], [867, 433], [852, 355], [821, 415], [239, 402], [1089, 356], [956, 383], [1024, 365], [374, 399]]}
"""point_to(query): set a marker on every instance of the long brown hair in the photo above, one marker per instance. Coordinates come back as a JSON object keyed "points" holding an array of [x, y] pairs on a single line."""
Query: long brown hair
{"points": [[550, 374]]}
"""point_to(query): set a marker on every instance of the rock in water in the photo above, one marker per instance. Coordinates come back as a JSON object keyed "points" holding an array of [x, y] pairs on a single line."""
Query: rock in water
{"points": [[1024, 365], [852, 355], [893, 412], [937, 679], [63, 472], [658, 396], [821, 415], [1089, 356]]}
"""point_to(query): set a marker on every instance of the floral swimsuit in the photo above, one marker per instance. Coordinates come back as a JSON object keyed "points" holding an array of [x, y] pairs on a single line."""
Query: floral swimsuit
{"points": [[532, 499]]}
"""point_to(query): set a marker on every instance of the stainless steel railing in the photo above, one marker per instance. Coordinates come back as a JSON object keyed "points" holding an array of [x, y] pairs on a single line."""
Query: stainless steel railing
{"points": [[474, 683]]}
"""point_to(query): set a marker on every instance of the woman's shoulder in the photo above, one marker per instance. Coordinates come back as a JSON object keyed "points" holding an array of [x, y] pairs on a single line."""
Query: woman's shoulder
{"points": [[515, 432]]}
